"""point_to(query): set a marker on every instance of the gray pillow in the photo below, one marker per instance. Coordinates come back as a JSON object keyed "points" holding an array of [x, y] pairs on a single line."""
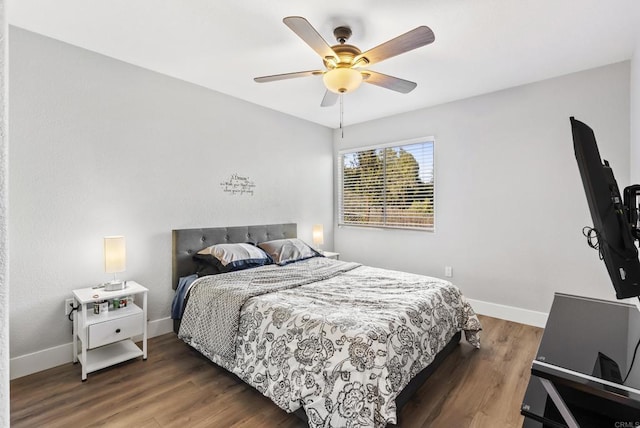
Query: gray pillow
{"points": [[283, 251], [231, 257]]}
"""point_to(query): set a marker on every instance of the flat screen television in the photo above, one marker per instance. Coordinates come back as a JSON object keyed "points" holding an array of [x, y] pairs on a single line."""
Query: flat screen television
{"points": [[615, 220]]}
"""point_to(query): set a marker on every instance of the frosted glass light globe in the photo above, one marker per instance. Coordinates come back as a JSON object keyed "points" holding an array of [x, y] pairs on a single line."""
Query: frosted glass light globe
{"points": [[342, 80]]}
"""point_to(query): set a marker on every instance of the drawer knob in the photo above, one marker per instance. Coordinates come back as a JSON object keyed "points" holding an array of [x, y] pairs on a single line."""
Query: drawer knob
{"points": [[118, 330]]}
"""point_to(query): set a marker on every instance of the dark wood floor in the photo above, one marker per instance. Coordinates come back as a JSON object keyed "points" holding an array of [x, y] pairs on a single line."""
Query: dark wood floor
{"points": [[177, 387]]}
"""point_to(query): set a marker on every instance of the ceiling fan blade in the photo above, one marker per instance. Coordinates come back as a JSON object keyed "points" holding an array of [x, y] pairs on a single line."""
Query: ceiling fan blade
{"points": [[388, 82], [329, 99], [413, 39], [274, 77], [306, 32]]}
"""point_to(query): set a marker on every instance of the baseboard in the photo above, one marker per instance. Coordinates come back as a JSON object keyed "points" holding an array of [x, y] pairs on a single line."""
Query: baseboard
{"points": [[159, 327], [510, 313], [40, 360], [48, 358]]}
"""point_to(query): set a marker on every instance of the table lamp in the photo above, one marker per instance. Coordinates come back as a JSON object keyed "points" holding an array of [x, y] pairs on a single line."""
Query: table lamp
{"points": [[318, 235], [115, 260]]}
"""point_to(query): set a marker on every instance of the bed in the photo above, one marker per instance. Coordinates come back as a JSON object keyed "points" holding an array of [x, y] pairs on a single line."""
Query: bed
{"points": [[337, 343]]}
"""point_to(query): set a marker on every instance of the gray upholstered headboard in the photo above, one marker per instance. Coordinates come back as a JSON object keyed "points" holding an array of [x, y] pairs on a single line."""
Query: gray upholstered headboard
{"points": [[187, 242]]}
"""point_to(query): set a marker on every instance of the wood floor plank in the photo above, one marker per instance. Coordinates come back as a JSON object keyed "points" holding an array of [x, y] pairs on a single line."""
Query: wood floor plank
{"points": [[178, 387]]}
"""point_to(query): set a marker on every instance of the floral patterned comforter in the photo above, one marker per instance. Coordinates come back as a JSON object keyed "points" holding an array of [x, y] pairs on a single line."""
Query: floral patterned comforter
{"points": [[344, 347]]}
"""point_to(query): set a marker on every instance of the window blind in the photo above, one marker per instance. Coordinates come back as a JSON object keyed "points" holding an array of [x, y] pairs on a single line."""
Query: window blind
{"points": [[388, 186]]}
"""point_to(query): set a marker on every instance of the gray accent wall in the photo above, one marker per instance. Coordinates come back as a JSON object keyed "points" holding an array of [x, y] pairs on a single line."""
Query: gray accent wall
{"points": [[510, 206], [101, 147]]}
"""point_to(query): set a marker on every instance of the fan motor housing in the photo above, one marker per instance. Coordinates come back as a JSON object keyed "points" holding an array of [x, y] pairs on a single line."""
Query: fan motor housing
{"points": [[346, 53]]}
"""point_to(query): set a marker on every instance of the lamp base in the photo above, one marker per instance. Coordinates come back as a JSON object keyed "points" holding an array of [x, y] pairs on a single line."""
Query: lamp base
{"points": [[115, 285]]}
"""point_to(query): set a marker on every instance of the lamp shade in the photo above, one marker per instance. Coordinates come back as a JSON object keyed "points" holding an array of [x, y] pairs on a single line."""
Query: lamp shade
{"points": [[115, 256], [342, 80], [318, 234]]}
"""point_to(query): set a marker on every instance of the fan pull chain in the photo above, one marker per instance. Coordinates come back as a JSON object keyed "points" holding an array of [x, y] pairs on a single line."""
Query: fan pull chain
{"points": [[341, 115]]}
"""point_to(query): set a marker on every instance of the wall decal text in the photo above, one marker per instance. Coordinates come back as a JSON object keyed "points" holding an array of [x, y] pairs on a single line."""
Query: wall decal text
{"points": [[238, 185]]}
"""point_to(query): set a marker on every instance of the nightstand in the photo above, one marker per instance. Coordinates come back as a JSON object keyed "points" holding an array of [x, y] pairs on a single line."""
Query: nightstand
{"points": [[107, 338], [330, 255]]}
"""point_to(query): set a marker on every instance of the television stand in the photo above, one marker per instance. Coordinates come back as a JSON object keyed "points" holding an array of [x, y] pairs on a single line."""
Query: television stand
{"points": [[585, 352]]}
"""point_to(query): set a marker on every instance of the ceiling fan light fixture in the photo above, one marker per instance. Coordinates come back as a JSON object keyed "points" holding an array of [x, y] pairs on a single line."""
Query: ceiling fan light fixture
{"points": [[342, 80], [360, 62], [330, 62]]}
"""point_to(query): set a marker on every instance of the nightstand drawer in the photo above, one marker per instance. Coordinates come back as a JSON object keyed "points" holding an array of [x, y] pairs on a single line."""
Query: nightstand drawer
{"points": [[114, 330]]}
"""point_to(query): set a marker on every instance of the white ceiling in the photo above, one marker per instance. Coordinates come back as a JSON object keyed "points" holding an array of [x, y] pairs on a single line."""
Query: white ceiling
{"points": [[481, 45]]}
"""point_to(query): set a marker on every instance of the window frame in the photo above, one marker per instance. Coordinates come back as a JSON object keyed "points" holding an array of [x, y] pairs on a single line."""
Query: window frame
{"points": [[394, 144]]}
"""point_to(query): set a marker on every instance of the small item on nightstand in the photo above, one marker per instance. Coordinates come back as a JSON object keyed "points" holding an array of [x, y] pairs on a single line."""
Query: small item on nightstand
{"points": [[115, 285], [119, 303], [100, 307]]}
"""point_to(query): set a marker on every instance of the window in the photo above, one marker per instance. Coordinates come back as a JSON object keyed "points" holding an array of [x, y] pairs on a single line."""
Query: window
{"points": [[388, 186]]}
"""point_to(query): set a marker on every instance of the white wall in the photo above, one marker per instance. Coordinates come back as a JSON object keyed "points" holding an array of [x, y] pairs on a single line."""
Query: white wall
{"points": [[4, 262], [510, 205], [634, 158], [101, 147]]}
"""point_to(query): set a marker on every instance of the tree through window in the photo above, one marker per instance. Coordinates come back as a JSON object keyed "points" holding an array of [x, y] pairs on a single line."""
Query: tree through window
{"points": [[388, 186]]}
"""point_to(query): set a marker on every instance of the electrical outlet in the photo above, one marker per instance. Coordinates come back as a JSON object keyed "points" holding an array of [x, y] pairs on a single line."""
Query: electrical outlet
{"points": [[448, 271], [68, 305]]}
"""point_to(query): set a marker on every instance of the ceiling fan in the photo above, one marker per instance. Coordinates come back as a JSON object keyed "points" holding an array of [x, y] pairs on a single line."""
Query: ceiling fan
{"points": [[344, 63]]}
